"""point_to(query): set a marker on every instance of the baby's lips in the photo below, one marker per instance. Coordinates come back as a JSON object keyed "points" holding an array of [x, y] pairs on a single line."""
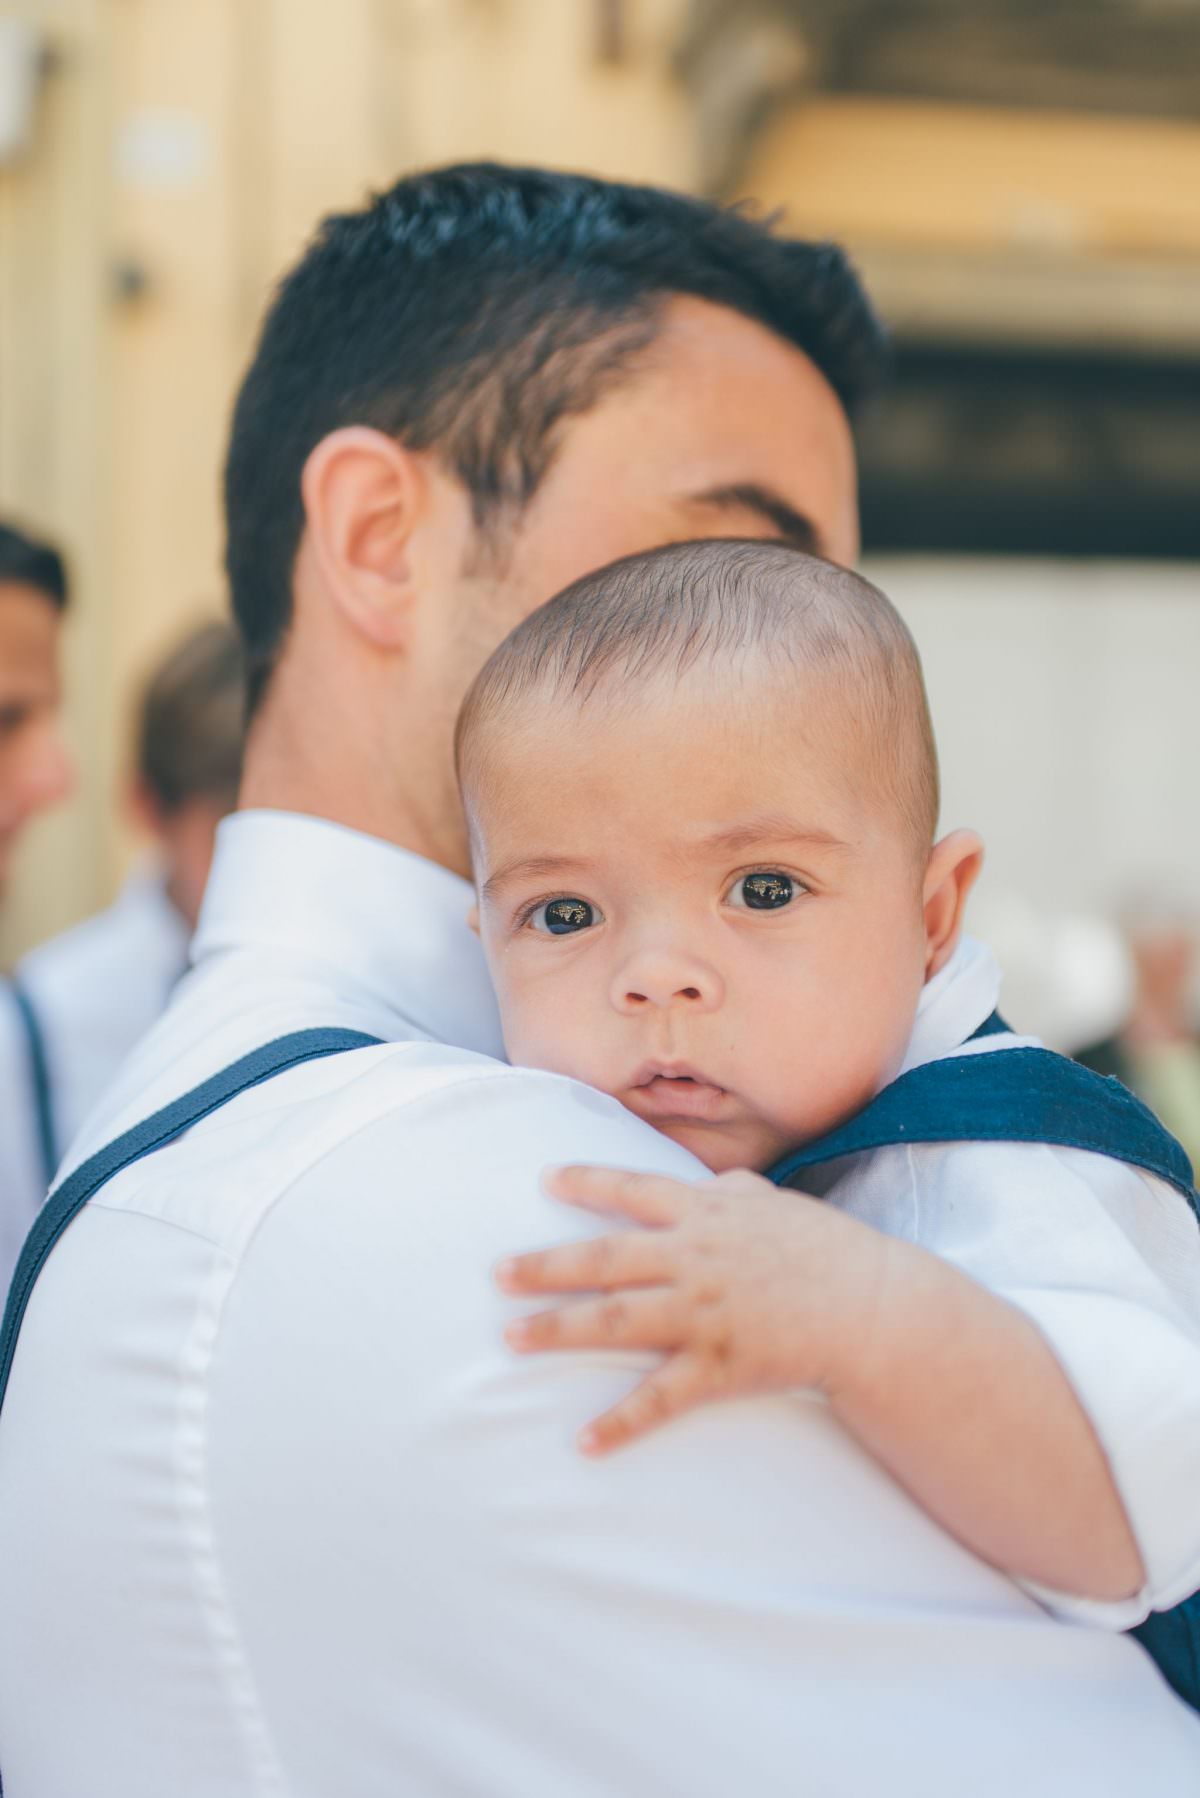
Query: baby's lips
{"points": [[664, 1097]]}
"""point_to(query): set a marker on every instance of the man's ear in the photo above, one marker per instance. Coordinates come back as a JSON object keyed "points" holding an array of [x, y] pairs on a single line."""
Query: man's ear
{"points": [[473, 919], [362, 496], [953, 870]]}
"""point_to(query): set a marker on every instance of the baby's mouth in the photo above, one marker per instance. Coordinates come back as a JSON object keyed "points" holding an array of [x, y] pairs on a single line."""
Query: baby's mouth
{"points": [[665, 1090]]}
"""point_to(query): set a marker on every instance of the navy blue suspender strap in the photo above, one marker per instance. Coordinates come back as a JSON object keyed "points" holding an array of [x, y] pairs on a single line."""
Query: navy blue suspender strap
{"points": [[69, 1199], [1011, 1095], [39, 1080]]}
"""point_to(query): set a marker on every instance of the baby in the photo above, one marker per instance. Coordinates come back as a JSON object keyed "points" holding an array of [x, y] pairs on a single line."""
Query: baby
{"points": [[702, 792]]}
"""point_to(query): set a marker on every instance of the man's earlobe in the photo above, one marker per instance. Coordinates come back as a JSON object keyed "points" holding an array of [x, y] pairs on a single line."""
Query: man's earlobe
{"points": [[363, 494], [473, 919], [954, 867]]}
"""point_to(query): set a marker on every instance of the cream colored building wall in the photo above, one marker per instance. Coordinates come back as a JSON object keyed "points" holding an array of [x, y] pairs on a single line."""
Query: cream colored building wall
{"points": [[55, 427], [1063, 695], [190, 146]]}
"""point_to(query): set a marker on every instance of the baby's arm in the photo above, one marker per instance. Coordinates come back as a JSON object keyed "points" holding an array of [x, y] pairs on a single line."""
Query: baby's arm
{"points": [[747, 1289]]}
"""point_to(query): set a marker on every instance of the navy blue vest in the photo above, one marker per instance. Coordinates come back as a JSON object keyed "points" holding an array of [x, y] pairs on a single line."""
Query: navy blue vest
{"points": [[1012, 1095]]}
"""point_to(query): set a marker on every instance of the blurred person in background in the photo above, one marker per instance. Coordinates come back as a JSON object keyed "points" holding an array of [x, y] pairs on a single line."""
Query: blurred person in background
{"points": [[35, 768], [1156, 1050], [35, 773], [93, 991]]}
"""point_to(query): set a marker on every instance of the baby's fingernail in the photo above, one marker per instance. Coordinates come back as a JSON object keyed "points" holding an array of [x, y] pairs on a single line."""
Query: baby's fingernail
{"points": [[589, 1442], [549, 1175], [516, 1334], [505, 1273]]}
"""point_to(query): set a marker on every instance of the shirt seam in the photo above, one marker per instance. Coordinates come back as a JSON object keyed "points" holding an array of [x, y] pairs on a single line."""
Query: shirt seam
{"points": [[914, 1192], [191, 1461], [192, 1455]]}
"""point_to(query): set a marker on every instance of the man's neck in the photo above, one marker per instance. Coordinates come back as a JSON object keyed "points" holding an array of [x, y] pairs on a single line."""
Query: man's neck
{"points": [[325, 773]]}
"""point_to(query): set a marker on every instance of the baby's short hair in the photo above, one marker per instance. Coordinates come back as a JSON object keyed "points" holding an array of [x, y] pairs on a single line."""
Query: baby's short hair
{"points": [[716, 602]]}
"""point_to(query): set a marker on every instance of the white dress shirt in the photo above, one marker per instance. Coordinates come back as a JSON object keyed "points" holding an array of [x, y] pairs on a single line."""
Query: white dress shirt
{"points": [[22, 1171], [95, 991], [98, 988], [279, 1514]]}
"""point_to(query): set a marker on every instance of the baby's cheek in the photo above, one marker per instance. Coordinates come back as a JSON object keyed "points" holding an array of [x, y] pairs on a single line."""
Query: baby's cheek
{"points": [[815, 1093], [542, 1033]]}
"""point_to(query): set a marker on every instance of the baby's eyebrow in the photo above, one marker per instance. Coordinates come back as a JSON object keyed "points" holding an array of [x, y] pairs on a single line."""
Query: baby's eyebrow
{"points": [[530, 867], [773, 828]]}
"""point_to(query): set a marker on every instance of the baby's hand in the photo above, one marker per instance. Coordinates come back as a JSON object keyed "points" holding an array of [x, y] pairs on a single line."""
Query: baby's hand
{"points": [[745, 1288]]}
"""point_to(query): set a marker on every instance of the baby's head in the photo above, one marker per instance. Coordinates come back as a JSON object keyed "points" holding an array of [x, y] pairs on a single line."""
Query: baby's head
{"points": [[702, 789]]}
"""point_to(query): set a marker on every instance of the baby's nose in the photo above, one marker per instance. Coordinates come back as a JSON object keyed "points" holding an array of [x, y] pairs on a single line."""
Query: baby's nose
{"points": [[662, 979]]}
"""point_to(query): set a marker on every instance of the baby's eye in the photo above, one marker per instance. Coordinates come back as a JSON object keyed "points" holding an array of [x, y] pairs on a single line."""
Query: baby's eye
{"points": [[563, 917], [763, 892]]}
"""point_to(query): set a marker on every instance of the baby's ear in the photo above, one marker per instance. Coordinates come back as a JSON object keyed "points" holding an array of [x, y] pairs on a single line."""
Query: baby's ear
{"points": [[473, 919], [953, 870]]}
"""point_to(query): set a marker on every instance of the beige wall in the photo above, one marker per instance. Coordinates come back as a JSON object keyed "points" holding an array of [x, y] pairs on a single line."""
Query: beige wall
{"points": [[1065, 227], [1063, 695], [195, 142], [54, 425]]}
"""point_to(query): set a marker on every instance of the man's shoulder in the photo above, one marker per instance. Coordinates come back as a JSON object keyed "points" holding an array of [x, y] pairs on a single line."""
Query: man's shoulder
{"points": [[414, 1199], [417, 1117], [456, 1104]]}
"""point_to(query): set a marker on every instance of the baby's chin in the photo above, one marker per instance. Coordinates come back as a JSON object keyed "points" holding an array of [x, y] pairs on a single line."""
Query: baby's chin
{"points": [[726, 1146]]}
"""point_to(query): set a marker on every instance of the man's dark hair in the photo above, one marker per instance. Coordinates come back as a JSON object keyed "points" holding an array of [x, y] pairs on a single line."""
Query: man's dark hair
{"points": [[28, 562], [192, 721], [471, 310], [616, 635]]}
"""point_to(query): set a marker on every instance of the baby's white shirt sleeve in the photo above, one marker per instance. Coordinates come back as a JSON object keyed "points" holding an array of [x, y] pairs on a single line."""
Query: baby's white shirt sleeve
{"points": [[1105, 1260]]}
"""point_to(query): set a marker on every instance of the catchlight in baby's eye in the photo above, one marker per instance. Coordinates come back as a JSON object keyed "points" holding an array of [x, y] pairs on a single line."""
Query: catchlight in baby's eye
{"points": [[563, 917], [763, 892]]}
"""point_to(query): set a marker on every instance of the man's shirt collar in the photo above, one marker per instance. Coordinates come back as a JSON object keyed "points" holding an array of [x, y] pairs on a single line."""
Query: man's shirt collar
{"points": [[378, 922]]}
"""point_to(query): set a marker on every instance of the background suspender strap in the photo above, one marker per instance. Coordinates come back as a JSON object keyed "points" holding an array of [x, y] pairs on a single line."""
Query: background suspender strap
{"points": [[68, 1200], [39, 1079]]}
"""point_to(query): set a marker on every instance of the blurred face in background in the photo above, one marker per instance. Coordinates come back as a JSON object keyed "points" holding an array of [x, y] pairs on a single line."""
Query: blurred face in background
{"points": [[35, 768], [1164, 959]]}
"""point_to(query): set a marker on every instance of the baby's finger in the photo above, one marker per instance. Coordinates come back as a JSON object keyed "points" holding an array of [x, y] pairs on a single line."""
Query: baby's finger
{"points": [[634, 1259], [650, 1199], [636, 1320], [673, 1388]]}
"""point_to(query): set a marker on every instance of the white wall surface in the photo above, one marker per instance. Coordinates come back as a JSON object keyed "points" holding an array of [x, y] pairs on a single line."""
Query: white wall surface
{"points": [[1065, 699]]}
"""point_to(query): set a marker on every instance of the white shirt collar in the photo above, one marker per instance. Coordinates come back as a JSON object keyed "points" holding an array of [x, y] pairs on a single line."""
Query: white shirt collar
{"points": [[954, 1004], [375, 920]]}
